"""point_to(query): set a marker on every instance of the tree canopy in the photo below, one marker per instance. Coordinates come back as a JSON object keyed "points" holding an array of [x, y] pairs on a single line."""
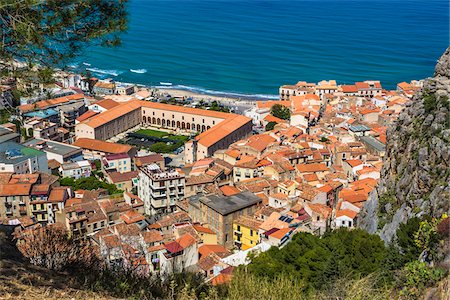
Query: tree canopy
{"points": [[270, 126], [90, 183], [318, 261], [281, 111], [49, 32]]}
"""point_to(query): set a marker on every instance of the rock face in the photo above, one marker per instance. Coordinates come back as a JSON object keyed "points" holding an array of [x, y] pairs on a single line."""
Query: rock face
{"points": [[415, 179]]}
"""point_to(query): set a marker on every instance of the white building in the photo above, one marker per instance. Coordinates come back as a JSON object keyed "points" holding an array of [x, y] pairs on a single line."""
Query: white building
{"points": [[160, 189], [76, 170], [16, 158]]}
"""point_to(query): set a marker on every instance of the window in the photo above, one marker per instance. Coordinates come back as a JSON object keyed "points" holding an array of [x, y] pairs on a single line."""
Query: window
{"points": [[239, 228], [251, 232]]}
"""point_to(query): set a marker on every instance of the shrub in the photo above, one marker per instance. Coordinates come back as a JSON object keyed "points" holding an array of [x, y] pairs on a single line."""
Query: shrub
{"points": [[415, 277], [270, 126], [280, 111], [54, 248]]}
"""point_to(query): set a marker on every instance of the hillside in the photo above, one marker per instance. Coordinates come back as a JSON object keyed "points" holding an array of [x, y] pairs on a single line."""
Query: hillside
{"points": [[415, 179], [21, 280]]}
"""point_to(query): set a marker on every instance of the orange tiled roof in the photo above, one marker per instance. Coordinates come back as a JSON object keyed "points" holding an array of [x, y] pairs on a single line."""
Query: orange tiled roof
{"points": [[346, 212], [312, 168], [279, 234], [86, 115], [101, 146], [228, 190], [206, 249], [270, 118], [50, 102], [17, 189], [107, 103]]}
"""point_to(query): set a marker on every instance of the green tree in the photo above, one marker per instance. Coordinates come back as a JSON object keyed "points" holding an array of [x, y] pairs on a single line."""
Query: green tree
{"points": [[281, 111], [270, 126], [405, 239], [49, 32]]}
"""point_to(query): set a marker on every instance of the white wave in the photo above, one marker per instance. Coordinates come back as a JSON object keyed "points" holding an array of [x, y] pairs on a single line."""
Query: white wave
{"points": [[220, 93], [106, 72], [73, 66], [139, 71], [86, 64]]}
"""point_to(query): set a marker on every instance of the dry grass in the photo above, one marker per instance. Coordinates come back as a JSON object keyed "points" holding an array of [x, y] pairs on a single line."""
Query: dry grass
{"points": [[24, 281]]}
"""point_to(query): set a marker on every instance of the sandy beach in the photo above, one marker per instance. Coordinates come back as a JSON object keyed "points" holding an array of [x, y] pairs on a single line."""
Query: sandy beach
{"points": [[230, 100]]}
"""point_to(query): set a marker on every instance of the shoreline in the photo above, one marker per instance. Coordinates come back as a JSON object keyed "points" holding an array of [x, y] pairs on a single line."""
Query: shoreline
{"points": [[224, 98]]}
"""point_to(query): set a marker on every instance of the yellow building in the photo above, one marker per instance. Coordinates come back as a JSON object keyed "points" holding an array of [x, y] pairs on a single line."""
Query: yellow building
{"points": [[245, 232], [208, 236]]}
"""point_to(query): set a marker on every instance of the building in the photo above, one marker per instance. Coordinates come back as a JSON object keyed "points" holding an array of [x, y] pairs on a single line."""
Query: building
{"points": [[61, 152], [31, 195], [53, 103], [160, 190], [42, 129], [245, 231], [68, 113], [105, 88], [8, 135], [16, 158], [120, 162], [103, 105], [124, 181], [221, 211], [76, 169], [217, 129], [94, 149]]}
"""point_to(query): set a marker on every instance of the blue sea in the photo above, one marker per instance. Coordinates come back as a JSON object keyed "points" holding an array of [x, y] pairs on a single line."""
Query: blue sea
{"points": [[252, 47]]}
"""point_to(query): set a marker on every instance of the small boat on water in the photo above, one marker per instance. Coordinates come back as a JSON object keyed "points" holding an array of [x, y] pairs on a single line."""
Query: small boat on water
{"points": [[166, 83]]}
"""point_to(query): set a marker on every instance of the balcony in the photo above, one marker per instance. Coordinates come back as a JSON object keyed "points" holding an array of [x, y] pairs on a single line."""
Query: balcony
{"points": [[238, 233]]}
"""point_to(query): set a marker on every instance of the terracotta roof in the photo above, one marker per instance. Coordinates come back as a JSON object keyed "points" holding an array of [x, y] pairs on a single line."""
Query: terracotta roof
{"points": [[223, 129], [152, 236], [279, 234], [86, 115], [312, 168], [203, 229], [173, 247], [186, 240], [248, 222], [132, 216], [106, 103], [50, 102], [101, 146], [148, 159], [15, 189], [221, 279], [122, 177], [349, 88], [57, 194], [346, 212], [270, 118], [354, 162], [320, 209], [270, 103], [208, 262], [53, 164], [228, 190], [206, 249]]}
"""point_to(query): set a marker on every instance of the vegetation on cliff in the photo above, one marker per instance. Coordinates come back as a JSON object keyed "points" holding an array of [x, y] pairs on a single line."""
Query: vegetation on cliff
{"points": [[415, 179]]}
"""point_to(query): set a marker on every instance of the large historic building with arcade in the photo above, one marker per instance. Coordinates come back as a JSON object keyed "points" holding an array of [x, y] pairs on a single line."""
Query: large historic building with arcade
{"points": [[217, 129]]}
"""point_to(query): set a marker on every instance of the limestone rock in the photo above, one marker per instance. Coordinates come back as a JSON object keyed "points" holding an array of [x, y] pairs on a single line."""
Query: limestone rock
{"points": [[415, 176]]}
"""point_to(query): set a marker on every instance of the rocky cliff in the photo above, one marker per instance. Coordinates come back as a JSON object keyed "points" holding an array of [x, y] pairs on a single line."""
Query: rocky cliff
{"points": [[415, 177]]}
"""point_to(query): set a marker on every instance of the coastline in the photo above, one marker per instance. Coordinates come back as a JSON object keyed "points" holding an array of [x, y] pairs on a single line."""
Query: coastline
{"points": [[196, 96]]}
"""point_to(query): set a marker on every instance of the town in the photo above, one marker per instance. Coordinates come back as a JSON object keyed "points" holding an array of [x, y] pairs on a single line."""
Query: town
{"points": [[166, 184]]}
